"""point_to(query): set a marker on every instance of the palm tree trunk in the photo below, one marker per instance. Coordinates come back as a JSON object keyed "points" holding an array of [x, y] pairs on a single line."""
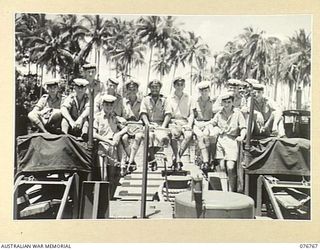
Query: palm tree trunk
{"points": [[98, 61], [276, 79], [149, 68], [191, 79]]}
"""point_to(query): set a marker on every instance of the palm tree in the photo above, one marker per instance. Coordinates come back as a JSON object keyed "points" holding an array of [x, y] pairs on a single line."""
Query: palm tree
{"points": [[98, 31], [74, 32], [148, 31], [296, 65], [195, 51], [255, 54], [161, 65], [128, 53], [50, 49]]}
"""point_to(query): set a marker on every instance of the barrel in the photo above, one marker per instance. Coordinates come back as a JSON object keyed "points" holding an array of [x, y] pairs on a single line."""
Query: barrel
{"points": [[214, 204]]}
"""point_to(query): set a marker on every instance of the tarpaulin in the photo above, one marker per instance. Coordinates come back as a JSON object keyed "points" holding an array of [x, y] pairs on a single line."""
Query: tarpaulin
{"points": [[47, 152], [289, 156]]}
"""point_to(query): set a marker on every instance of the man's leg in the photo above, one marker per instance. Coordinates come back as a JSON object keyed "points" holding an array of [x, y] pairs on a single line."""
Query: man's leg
{"points": [[135, 146], [231, 149], [185, 142], [54, 122], [232, 175], [34, 117], [174, 144], [64, 126], [126, 144]]}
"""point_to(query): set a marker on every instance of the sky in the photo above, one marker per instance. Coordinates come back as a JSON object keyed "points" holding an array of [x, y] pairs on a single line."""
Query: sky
{"points": [[216, 31]]}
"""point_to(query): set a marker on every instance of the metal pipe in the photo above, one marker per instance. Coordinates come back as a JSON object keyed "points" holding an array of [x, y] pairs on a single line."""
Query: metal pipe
{"points": [[274, 203], [144, 172], [247, 145]]}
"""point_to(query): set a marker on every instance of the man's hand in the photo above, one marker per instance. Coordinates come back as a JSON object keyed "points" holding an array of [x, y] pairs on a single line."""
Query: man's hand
{"points": [[116, 139], [260, 119], [79, 122], [239, 139], [72, 124]]}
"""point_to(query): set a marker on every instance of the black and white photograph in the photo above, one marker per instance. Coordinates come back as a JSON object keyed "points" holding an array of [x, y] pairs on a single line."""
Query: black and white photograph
{"points": [[145, 116]]}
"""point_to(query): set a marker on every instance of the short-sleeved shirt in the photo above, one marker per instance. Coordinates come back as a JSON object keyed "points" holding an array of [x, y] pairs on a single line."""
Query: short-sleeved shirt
{"points": [[180, 106], [265, 107], [203, 109], [118, 104], [131, 111], [156, 111], [106, 125], [76, 109], [47, 102], [229, 125]]}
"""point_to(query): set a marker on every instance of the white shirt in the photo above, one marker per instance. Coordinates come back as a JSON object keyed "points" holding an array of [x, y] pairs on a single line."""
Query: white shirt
{"points": [[180, 106]]}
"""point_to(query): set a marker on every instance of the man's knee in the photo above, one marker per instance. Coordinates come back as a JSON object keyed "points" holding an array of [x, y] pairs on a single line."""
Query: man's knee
{"points": [[187, 135], [65, 125], [33, 117]]}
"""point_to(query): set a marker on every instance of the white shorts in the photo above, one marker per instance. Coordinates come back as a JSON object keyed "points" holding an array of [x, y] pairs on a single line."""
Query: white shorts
{"points": [[227, 148]]}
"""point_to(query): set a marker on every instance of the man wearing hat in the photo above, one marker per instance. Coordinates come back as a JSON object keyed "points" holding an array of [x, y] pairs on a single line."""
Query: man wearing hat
{"points": [[155, 111], [267, 118], [202, 112], [46, 114], [75, 109], [111, 89], [232, 129], [180, 124], [108, 130], [131, 112], [233, 86]]}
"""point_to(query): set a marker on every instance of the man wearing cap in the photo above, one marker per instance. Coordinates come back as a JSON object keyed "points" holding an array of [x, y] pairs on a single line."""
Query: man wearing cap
{"points": [[232, 129], [233, 86], [108, 130], [111, 89], [267, 118], [180, 123], [155, 111], [75, 109], [202, 112], [46, 114], [131, 112]]}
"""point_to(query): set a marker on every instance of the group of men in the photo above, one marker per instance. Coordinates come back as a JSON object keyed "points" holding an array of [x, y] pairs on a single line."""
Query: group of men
{"points": [[217, 123]]}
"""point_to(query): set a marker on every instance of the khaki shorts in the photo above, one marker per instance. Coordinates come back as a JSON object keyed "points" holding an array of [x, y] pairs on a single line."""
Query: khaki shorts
{"points": [[133, 129], [208, 130], [177, 128], [227, 148], [159, 137]]}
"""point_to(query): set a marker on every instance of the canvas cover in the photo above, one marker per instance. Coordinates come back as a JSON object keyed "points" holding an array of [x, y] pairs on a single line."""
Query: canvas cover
{"points": [[289, 156], [47, 152]]}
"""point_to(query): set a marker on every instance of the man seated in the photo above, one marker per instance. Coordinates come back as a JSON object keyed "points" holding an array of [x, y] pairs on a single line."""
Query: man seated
{"points": [[131, 113], [180, 123], [46, 114], [155, 111], [232, 129], [202, 112], [267, 119], [75, 109], [107, 129], [111, 89]]}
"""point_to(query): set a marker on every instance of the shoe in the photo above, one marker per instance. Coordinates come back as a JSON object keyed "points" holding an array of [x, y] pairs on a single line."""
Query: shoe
{"points": [[132, 167], [205, 166], [153, 165], [84, 136], [174, 165], [123, 171], [180, 165]]}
